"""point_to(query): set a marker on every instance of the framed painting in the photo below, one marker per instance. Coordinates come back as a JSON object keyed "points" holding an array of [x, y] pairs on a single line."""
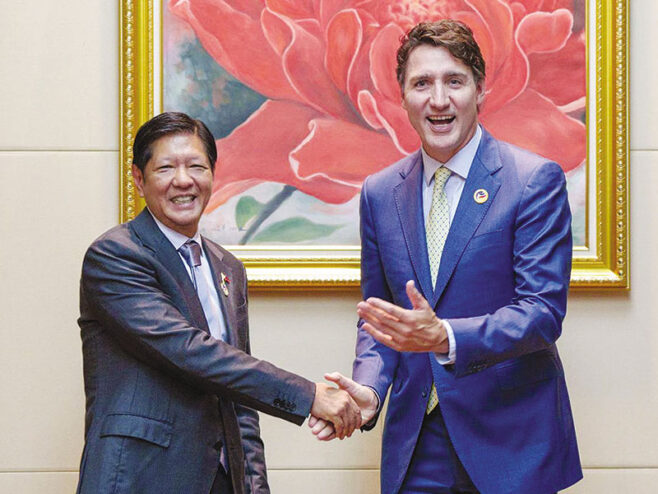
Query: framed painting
{"points": [[303, 101]]}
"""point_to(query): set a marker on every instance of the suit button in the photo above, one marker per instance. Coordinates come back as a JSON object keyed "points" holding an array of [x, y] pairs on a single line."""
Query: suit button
{"points": [[292, 407], [277, 402], [424, 393]]}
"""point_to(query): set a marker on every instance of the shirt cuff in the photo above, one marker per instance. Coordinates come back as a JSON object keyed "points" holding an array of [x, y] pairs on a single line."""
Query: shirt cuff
{"points": [[450, 357]]}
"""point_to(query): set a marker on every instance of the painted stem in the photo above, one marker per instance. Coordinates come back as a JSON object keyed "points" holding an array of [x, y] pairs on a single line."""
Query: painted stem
{"points": [[269, 208]]}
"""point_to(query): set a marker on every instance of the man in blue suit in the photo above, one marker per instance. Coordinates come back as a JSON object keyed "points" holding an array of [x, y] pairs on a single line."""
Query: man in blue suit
{"points": [[172, 390], [466, 259]]}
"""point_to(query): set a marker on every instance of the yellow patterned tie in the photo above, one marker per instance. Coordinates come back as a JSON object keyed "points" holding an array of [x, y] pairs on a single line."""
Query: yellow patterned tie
{"points": [[438, 225]]}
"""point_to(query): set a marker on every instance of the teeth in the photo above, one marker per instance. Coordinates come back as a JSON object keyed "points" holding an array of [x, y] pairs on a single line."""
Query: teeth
{"points": [[182, 199], [440, 119]]}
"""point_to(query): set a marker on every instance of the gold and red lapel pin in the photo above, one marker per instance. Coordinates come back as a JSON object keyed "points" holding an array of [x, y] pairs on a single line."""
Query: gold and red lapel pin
{"points": [[224, 284], [481, 196]]}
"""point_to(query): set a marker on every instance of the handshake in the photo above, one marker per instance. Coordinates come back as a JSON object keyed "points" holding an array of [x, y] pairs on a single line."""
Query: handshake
{"points": [[337, 412]]}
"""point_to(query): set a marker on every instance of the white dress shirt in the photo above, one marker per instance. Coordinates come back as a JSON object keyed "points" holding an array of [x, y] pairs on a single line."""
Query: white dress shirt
{"points": [[459, 165], [217, 327]]}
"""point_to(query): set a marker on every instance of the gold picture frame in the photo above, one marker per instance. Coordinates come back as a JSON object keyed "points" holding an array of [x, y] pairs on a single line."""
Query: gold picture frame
{"points": [[602, 263]]}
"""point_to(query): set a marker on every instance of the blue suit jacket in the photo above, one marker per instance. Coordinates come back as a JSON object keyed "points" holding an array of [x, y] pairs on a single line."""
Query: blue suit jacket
{"points": [[502, 285], [163, 396]]}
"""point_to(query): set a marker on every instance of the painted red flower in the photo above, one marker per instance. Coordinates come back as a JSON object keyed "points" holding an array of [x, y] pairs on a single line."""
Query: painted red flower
{"points": [[327, 67]]}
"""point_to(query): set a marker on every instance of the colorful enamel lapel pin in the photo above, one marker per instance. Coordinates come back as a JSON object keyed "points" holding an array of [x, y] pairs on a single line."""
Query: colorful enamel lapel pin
{"points": [[481, 196], [224, 284]]}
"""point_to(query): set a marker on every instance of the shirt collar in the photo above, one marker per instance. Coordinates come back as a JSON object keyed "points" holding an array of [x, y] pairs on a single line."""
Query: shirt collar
{"points": [[459, 164], [176, 239]]}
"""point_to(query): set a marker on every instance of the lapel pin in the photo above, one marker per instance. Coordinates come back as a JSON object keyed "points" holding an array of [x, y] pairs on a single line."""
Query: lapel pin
{"points": [[224, 284], [481, 196]]}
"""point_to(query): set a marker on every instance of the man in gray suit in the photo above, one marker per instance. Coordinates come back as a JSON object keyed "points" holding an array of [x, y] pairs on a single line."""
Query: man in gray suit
{"points": [[170, 383]]}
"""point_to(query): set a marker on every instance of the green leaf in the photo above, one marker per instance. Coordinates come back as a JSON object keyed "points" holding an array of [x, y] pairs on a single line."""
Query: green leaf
{"points": [[247, 208], [295, 229]]}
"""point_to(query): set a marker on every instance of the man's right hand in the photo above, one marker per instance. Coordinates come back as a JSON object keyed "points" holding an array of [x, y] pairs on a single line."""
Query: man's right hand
{"points": [[336, 406], [364, 396]]}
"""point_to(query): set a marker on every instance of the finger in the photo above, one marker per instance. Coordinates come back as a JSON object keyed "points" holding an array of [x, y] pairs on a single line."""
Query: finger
{"points": [[382, 338], [312, 421], [390, 314], [378, 308], [391, 334], [326, 434], [341, 381], [356, 417], [339, 426], [318, 427], [418, 302], [390, 325]]}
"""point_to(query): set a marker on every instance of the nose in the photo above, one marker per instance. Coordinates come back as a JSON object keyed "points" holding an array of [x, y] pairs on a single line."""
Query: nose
{"points": [[182, 177], [438, 96]]}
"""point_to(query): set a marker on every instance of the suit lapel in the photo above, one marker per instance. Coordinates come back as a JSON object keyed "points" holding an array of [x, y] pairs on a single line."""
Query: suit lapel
{"points": [[219, 268], [409, 205], [469, 213], [154, 240]]}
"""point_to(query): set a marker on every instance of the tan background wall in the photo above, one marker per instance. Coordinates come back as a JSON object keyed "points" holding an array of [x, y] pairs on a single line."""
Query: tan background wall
{"points": [[59, 178]]}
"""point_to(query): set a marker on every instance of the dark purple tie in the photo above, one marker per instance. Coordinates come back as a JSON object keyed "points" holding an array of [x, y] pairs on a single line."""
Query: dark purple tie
{"points": [[191, 252]]}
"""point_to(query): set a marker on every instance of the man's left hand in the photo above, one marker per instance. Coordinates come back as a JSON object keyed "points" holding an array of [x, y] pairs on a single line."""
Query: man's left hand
{"points": [[405, 330]]}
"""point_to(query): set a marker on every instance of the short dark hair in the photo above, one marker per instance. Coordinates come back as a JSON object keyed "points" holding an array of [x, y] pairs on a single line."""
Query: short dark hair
{"points": [[171, 123], [453, 35]]}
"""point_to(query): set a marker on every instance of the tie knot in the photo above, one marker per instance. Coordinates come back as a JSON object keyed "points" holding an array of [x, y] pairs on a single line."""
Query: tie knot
{"points": [[191, 251], [441, 176]]}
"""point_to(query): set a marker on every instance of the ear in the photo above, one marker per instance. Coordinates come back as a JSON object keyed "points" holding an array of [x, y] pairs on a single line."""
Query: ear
{"points": [[138, 177], [480, 92]]}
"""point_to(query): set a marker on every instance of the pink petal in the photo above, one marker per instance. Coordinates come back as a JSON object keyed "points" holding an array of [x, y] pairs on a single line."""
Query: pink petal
{"points": [[254, 63], [533, 122], [368, 108], [383, 61], [544, 32], [303, 62], [259, 148], [506, 65], [392, 117], [340, 152], [560, 76], [292, 144], [250, 7], [344, 34], [497, 16], [277, 32], [293, 9]]}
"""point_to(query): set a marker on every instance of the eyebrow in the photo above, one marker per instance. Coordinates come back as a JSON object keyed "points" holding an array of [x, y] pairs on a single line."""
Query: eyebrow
{"points": [[456, 74], [427, 75]]}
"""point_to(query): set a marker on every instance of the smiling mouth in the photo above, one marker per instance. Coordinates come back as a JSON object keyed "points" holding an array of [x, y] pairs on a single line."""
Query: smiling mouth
{"points": [[441, 120], [183, 199]]}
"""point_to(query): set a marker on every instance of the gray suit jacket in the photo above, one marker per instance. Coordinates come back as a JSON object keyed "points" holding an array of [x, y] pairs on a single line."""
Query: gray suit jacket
{"points": [[163, 396]]}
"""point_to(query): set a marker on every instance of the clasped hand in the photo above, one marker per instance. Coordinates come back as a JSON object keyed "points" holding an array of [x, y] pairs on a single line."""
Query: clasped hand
{"points": [[405, 330], [365, 398]]}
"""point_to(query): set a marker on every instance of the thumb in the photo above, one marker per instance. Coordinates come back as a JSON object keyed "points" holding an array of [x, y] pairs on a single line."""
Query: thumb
{"points": [[343, 382], [416, 299]]}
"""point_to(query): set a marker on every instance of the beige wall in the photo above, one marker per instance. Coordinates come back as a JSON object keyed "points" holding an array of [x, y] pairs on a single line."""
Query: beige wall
{"points": [[58, 170]]}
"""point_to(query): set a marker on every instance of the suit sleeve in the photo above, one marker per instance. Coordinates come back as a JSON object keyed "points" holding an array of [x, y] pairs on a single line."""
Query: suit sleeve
{"points": [[542, 266], [120, 289], [375, 364], [254, 449]]}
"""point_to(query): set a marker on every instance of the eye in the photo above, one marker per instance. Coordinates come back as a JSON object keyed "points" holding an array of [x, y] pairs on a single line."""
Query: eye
{"points": [[455, 82], [421, 83]]}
